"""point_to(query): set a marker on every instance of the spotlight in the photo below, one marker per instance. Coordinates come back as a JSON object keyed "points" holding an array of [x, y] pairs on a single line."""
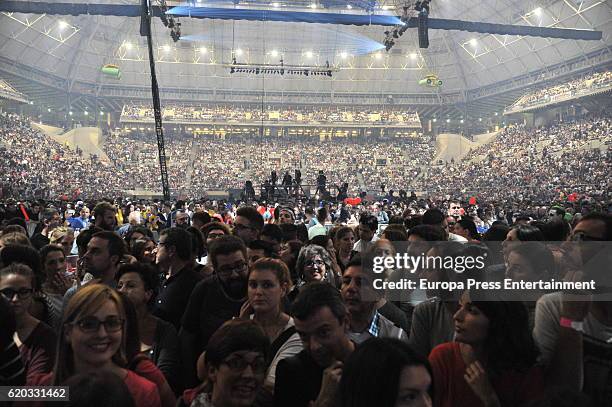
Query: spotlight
{"points": [[274, 53], [62, 24], [308, 54]]}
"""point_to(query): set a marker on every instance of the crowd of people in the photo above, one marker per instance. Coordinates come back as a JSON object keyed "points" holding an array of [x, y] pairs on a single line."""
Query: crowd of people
{"points": [[535, 164], [238, 114], [566, 158], [209, 304], [586, 83]]}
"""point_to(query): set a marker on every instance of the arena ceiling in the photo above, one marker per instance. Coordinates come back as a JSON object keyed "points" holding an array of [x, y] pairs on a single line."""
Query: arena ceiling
{"points": [[53, 56]]}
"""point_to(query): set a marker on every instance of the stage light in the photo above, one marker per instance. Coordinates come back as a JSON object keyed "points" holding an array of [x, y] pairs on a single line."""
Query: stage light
{"points": [[309, 54], [413, 55], [313, 5], [238, 52], [480, 119], [70, 113], [275, 5], [343, 55], [128, 45], [86, 113], [274, 53], [49, 110], [461, 121], [203, 50], [435, 120], [473, 42], [378, 55], [447, 120], [166, 48], [538, 11], [62, 24], [348, 6]]}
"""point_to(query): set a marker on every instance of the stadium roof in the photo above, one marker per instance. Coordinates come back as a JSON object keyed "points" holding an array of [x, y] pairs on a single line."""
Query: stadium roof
{"points": [[54, 58]]}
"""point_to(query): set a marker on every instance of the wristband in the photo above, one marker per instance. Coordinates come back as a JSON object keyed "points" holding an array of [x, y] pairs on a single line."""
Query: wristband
{"points": [[568, 323]]}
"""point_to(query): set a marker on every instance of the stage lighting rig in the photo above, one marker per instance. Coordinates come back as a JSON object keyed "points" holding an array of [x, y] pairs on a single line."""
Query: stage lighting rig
{"points": [[420, 6]]}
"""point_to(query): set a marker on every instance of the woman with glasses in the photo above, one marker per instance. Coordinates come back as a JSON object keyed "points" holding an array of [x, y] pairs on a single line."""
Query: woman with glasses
{"points": [[92, 338], [269, 282], [235, 367], [35, 339], [313, 264]]}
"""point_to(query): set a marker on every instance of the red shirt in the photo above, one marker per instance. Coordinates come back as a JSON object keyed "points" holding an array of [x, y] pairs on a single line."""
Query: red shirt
{"points": [[143, 391], [451, 390]]}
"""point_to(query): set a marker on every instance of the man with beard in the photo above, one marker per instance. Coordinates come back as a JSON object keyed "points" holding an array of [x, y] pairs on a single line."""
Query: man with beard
{"points": [[104, 252], [105, 216], [322, 322], [214, 300], [173, 257]]}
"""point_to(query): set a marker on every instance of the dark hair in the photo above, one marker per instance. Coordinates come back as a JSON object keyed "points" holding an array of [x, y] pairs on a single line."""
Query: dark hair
{"points": [[343, 231], [197, 241], [429, 233], [289, 232], [138, 247], [272, 231], [509, 341], [470, 226], [116, 245], [203, 217], [528, 233], [48, 214], [255, 219], [372, 372], [396, 220], [8, 324], [214, 226], [605, 218], [539, 257], [25, 255], [262, 245], [138, 229], [98, 388], [148, 274], [180, 239], [322, 214], [49, 248], [413, 221], [85, 236], [316, 295], [433, 216], [233, 336], [100, 208], [370, 221], [496, 233], [223, 246], [12, 226], [396, 233]]}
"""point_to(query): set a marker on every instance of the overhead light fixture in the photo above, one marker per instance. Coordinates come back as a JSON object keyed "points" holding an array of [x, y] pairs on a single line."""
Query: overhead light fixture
{"points": [[447, 120], [62, 24], [538, 11], [313, 5], [309, 54], [275, 5], [473, 42], [70, 113], [203, 50], [348, 6], [274, 53], [128, 45], [86, 113], [238, 52], [166, 48], [413, 55], [378, 55], [343, 55]]}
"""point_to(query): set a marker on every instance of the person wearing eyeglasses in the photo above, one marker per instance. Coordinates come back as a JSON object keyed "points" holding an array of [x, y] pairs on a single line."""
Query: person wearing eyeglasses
{"points": [[574, 331], [235, 367], [248, 224], [214, 300], [35, 339], [173, 256], [91, 338]]}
